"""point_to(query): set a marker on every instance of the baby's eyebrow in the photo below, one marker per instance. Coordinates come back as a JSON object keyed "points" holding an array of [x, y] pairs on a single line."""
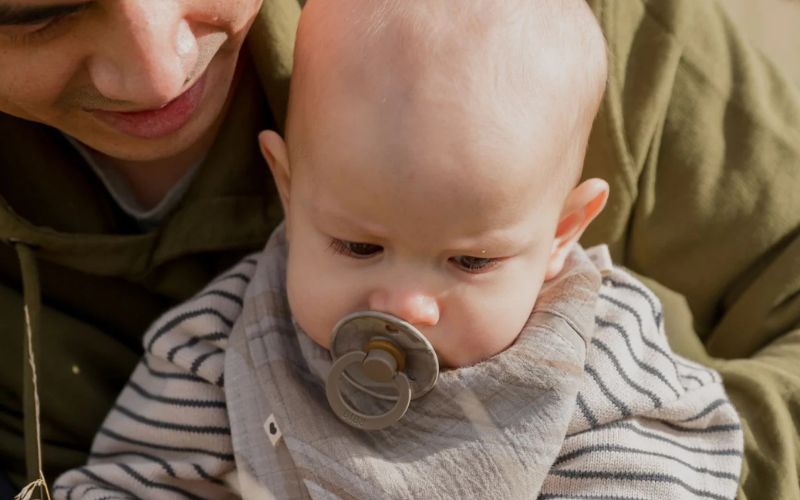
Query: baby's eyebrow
{"points": [[11, 15], [491, 243], [328, 215]]}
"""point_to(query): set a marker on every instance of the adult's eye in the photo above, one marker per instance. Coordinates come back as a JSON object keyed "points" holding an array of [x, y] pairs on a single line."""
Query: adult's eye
{"points": [[474, 264], [21, 31], [33, 24], [355, 249]]}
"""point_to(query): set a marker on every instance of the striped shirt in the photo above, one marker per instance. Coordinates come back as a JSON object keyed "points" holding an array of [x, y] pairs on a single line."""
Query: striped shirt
{"points": [[647, 423]]}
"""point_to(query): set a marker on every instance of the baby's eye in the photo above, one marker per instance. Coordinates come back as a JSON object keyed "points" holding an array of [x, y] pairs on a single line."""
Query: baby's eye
{"points": [[355, 249], [474, 264]]}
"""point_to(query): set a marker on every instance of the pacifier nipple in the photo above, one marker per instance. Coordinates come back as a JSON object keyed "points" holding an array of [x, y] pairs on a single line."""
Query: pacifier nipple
{"points": [[383, 356], [383, 360]]}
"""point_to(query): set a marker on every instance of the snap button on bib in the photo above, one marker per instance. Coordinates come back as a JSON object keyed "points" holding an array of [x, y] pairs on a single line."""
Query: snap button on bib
{"points": [[272, 430]]}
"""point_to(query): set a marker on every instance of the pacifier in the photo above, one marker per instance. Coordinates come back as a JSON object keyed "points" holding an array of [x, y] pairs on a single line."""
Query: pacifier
{"points": [[384, 357]]}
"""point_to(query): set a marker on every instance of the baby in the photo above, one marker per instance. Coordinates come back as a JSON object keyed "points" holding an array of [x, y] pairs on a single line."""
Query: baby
{"points": [[430, 171]]}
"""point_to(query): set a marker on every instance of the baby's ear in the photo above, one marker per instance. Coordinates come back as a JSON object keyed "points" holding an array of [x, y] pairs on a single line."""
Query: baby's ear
{"points": [[582, 205], [274, 150]]}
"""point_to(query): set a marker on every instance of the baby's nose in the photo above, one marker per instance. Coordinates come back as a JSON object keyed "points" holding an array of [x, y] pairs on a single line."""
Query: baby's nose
{"points": [[419, 309]]}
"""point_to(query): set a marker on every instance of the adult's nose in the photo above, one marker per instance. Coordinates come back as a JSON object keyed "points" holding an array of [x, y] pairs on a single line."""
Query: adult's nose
{"points": [[414, 306], [148, 54]]}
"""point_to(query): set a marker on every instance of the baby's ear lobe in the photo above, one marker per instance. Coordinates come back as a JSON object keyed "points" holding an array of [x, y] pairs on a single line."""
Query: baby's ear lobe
{"points": [[273, 148], [582, 205]]}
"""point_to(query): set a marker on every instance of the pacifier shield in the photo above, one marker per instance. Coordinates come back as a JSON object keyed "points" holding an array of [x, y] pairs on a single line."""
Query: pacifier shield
{"points": [[354, 332]]}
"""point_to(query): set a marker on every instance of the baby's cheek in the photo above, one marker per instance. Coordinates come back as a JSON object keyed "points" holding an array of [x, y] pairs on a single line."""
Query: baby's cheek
{"points": [[464, 338], [311, 311], [487, 328], [311, 300]]}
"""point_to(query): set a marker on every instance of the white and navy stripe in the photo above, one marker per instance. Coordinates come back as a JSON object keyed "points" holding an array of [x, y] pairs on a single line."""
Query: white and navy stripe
{"points": [[648, 423], [168, 435]]}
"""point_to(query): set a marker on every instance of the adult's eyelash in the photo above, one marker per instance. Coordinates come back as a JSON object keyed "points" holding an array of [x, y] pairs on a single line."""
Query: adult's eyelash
{"points": [[43, 32]]}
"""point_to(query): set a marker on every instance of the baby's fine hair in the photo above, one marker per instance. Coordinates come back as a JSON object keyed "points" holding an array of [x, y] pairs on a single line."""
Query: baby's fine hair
{"points": [[516, 55], [524, 33]]}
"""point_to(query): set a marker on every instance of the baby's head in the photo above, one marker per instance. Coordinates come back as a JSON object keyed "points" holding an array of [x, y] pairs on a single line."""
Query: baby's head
{"points": [[432, 155]]}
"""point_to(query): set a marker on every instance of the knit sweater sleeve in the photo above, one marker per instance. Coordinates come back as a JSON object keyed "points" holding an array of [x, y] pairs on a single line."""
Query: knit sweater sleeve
{"points": [[648, 423], [168, 435]]}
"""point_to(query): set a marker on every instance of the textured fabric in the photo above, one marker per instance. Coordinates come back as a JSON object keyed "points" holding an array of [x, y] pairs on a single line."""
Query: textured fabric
{"points": [[644, 422]]}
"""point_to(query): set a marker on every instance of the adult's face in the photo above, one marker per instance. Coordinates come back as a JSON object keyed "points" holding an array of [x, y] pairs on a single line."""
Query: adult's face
{"points": [[134, 79]]}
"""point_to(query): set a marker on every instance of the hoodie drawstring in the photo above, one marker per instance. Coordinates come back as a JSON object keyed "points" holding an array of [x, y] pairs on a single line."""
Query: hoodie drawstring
{"points": [[33, 432]]}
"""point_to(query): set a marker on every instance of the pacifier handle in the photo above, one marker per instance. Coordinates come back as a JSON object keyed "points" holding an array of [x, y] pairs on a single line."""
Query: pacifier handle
{"points": [[382, 366]]}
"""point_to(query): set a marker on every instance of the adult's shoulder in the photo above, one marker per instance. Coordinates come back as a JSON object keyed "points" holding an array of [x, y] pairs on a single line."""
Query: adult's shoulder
{"points": [[695, 135]]}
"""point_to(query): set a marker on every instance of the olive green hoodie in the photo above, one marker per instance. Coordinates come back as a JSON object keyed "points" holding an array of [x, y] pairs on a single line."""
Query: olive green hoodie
{"points": [[102, 281], [697, 135]]}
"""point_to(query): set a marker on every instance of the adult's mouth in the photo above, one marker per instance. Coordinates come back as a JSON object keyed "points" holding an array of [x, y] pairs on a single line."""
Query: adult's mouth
{"points": [[159, 122]]}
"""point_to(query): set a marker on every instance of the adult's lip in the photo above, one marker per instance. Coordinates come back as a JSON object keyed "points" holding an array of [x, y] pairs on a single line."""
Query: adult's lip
{"points": [[160, 122]]}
